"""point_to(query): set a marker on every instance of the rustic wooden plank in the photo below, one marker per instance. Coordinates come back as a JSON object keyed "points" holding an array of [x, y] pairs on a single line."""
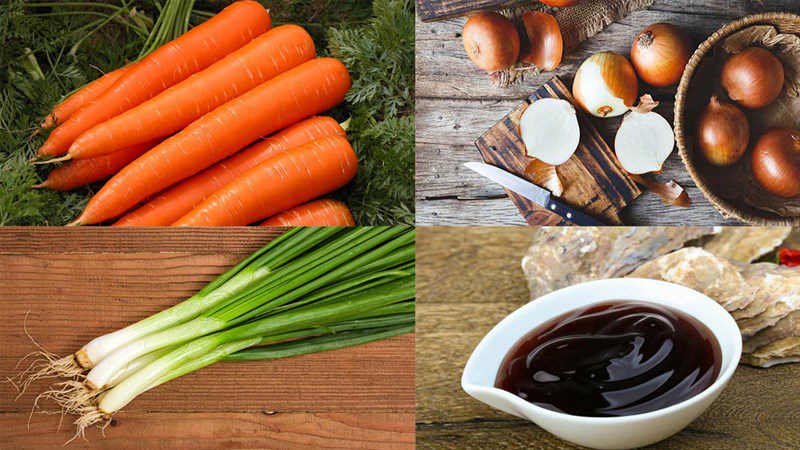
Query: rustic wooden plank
{"points": [[470, 278], [439, 9], [220, 430], [593, 179], [482, 212], [27, 240], [456, 103], [63, 297]]}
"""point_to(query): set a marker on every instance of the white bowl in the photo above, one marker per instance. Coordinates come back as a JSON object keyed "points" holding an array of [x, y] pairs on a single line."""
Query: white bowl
{"points": [[602, 432]]}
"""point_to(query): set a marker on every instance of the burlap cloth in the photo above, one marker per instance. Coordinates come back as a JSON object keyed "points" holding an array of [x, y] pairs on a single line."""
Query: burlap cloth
{"points": [[577, 23]]}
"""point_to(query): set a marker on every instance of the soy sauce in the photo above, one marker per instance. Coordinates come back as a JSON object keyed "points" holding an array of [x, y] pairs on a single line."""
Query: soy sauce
{"points": [[612, 359]]}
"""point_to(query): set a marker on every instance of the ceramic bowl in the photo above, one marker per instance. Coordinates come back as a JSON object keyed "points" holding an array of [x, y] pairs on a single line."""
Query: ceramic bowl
{"points": [[602, 432]]}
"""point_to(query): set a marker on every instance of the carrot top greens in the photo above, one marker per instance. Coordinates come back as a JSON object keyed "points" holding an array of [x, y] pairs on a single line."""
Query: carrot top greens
{"points": [[50, 49]]}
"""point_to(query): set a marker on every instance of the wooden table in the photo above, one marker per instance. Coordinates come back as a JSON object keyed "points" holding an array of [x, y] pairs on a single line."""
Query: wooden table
{"points": [[468, 279], [74, 284], [456, 103]]}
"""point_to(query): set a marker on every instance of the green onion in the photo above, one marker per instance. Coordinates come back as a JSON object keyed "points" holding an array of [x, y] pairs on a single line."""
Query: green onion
{"points": [[307, 291]]}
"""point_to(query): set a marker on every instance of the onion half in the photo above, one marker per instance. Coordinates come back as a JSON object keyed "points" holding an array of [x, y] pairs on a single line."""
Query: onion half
{"points": [[645, 139], [549, 129], [605, 85]]}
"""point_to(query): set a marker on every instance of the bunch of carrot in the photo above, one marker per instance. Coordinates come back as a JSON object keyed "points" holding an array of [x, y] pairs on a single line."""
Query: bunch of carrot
{"points": [[181, 132]]}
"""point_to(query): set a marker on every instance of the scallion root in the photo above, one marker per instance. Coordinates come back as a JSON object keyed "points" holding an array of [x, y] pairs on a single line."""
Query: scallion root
{"points": [[45, 365], [73, 396], [89, 416]]}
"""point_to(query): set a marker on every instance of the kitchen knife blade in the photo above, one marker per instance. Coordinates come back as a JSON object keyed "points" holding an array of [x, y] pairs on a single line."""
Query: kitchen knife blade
{"points": [[532, 192]]}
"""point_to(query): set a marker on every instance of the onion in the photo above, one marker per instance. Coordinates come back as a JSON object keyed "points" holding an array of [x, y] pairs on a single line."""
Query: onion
{"points": [[559, 3], [753, 77], [776, 162], [545, 46], [605, 85], [644, 139], [549, 129], [722, 133], [660, 52], [491, 41]]}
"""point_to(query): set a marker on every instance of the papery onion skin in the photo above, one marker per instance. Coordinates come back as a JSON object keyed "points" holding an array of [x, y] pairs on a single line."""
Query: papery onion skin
{"points": [[605, 85], [491, 41], [545, 45], [559, 3], [753, 77], [723, 133], [776, 162], [660, 53]]}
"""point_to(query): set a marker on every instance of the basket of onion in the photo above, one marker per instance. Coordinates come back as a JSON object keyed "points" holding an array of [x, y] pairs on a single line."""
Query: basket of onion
{"points": [[737, 119]]}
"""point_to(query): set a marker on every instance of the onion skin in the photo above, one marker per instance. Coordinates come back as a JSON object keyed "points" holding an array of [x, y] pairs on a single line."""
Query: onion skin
{"points": [[491, 41], [776, 162], [605, 85], [753, 77], [660, 53], [723, 133], [559, 3], [545, 45]]}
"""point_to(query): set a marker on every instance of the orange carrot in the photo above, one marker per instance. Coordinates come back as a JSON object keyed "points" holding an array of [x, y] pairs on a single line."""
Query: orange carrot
{"points": [[286, 180], [86, 171], [178, 200], [266, 56], [308, 89], [319, 213], [84, 95], [170, 64]]}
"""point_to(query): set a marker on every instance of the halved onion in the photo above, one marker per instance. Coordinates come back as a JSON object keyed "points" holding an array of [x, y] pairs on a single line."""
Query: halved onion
{"points": [[549, 129], [645, 139]]}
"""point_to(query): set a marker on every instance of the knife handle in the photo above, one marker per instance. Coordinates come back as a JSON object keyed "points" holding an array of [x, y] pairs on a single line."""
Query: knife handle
{"points": [[573, 215]]}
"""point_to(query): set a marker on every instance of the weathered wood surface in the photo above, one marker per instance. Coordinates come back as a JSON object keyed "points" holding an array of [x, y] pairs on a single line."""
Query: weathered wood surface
{"points": [[440, 9], [456, 103], [69, 285], [468, 279], [594, 181]]}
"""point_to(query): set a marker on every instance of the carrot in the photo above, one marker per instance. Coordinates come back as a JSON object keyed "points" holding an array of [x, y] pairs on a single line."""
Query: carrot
{"points": [[319, 213], [172, 63], [286, 180], [84, 95], [86, 171], [266, 56], [308, 89], [175, 202]]}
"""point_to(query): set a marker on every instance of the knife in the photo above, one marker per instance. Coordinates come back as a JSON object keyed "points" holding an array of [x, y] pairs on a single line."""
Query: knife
{"points": [[525, 188]]}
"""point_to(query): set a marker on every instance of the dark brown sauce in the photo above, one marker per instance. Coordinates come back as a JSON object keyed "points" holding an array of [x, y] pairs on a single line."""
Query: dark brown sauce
{"points": [[613, 359]]}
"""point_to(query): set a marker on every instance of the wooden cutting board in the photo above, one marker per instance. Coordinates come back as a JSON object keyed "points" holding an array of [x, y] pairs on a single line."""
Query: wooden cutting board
{"points": [[594, 181], [440, 9]]}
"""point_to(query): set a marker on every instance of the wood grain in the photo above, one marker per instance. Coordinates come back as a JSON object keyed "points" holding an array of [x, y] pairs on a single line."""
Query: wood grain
{"points": [[468, 279], [440, 9], [456, 103], [70, 285], [594, 181]]}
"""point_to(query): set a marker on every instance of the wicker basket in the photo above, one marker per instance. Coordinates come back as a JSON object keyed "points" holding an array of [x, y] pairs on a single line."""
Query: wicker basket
{"points": [[785, 23]]}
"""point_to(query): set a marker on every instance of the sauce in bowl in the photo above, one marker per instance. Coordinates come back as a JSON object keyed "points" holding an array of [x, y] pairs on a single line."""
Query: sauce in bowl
{"points": [[612, 359]]}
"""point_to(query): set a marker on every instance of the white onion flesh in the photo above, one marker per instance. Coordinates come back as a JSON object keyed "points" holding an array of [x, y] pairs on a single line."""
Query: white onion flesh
{"points": [[593, 92], [549, 129], [643, 142]]}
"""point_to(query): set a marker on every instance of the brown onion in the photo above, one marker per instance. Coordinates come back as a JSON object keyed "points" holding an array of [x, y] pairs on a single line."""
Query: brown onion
{"points": [[722, 133], [545, 46], [753, 77], [559, 3], [660, 53], [491, 41], [776, 161], [605, 85]]}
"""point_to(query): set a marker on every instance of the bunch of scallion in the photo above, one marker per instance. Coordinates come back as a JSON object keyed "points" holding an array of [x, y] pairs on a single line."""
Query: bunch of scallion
{"points": [[309, 290]]}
